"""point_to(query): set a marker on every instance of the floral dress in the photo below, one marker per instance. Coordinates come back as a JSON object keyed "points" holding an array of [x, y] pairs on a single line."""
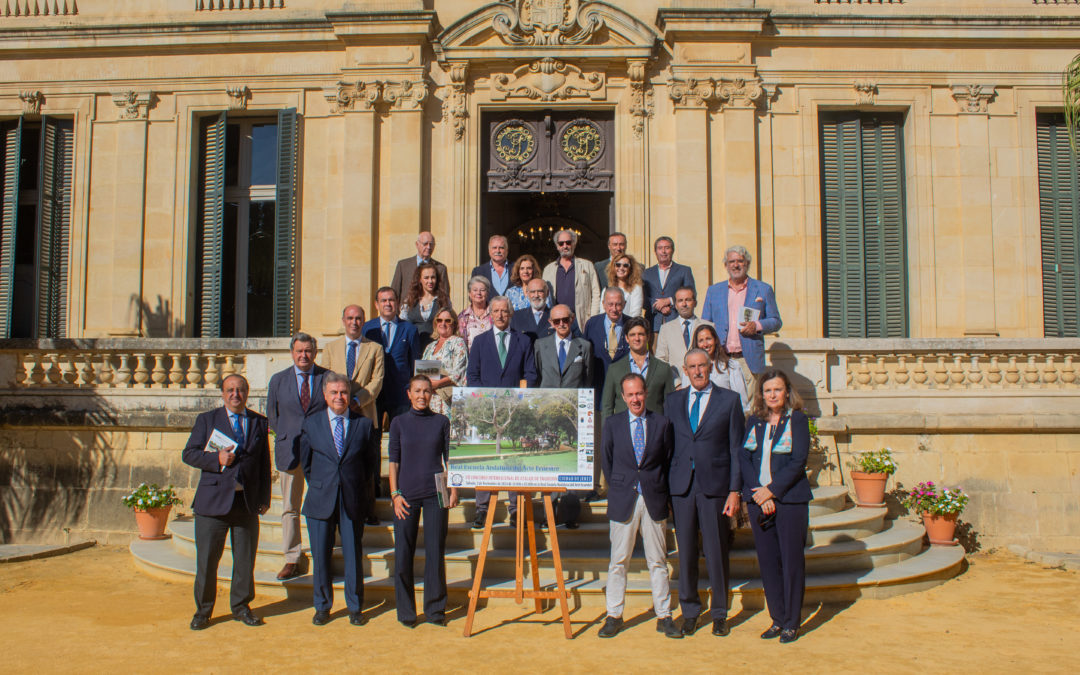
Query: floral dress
{"points": [[469, 325], [454, 356]]}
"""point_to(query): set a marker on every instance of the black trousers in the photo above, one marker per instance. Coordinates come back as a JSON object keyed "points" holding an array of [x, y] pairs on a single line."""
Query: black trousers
{"points": [[695, 512], [781, 557], [405, 532], [483, 499], [242, 527]]}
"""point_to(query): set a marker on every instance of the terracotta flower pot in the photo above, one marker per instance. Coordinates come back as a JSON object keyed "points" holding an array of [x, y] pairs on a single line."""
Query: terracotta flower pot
{"points": [[869, 488], [941, 530], [151, 522]]}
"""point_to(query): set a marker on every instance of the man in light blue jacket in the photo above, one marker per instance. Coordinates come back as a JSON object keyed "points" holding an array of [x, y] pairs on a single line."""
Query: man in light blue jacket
{"points": [[744, 340]]}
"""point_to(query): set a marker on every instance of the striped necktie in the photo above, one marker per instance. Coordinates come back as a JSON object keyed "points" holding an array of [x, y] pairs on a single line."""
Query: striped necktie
{"points": [[339, 435]]}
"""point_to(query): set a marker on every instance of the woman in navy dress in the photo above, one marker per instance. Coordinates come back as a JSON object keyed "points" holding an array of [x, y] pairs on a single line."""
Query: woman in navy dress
{"points": [[419, 450], [777, 494]]}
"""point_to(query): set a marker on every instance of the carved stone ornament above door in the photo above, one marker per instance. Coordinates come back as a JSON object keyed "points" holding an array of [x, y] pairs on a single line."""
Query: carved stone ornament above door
{"points": [[547, 22], [546, 80]]}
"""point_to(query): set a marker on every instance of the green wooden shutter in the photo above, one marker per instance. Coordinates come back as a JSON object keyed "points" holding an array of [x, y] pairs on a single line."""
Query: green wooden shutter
{"points": [[1059, 216], [54, 224], [863, 240], [10, 154], [213, 216], [285, 229], [883, 228], [842, 226]]}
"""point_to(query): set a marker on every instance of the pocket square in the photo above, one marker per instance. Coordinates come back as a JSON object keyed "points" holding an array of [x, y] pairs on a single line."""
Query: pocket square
{"points": [[759, 299], [578, 359]]}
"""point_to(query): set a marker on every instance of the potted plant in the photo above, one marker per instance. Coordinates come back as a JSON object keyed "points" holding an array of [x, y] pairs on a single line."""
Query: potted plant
{"points": [[869, 472], [151, 505], [939, 508]]}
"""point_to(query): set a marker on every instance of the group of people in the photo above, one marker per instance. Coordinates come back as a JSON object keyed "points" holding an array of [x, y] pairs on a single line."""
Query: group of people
{"points": [[672, 390]]}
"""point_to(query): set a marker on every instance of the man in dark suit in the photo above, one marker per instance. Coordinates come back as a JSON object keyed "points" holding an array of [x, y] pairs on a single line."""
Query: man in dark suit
{"points": [[532, 321], [662, 280], [635, 452], [704, 481], [406, 267], [336, 450], [401, 348], [616, 244], [605, 332], [659, 377], [233, 491], [500, 357], [497, 269], [292, 395]]}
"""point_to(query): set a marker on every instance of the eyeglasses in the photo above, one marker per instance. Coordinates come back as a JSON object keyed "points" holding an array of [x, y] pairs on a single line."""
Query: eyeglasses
{"points": [[568, 242], [623, 265], [444, 321], [561, 320]]}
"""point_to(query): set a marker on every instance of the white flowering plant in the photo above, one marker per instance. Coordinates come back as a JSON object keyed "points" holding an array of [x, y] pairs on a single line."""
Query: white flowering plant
{"points": [[937, 500], [874, 461], [151, 497]]}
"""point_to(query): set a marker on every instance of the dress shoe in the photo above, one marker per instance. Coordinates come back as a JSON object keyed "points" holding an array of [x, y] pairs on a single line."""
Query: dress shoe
{"points": [[774, 631], [199, 622], [572, 525], [321, 618], [667, 627], [438, 621], [593, 496], [788, 635], [357, 618], [720, 627], [478, 521], [612, 626], [247, 618], [688, 625], [371, 520], [289, 571], [410, 623]]}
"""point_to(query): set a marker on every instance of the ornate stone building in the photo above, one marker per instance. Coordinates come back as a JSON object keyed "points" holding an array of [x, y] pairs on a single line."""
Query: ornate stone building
{"points": [[182, 170]]}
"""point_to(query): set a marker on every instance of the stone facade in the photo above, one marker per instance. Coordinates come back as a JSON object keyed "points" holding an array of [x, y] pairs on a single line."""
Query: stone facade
{"points": [[717, 106]]}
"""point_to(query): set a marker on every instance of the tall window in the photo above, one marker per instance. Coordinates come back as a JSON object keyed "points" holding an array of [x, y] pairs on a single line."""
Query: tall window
{"points": [[246, 234], [863, 225], [1059, 217], [35, 219]]}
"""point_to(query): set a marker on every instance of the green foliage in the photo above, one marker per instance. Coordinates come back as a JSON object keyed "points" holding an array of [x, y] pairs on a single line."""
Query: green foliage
{"points": [[151, 497], [1070, 93], [874, 461], [929, 498]]}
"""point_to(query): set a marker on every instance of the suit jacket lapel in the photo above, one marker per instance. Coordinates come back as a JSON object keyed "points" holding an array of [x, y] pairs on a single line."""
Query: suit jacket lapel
{"points": [[710, 410]]}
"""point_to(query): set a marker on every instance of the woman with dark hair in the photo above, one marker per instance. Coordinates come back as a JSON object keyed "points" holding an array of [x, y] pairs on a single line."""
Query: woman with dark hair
{"points": [[419, 450], [624, 273], [526, 268], [777, 494], [726, 372], [423, 300], [449, 348]]}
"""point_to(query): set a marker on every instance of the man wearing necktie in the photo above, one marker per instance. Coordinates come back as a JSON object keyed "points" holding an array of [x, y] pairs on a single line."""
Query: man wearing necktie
{"points": [[358, 359], [635, 452], [704, 481], [673, 339], [337, 449], [500, 357], [288, 401], [400, 343], [233, 491]]}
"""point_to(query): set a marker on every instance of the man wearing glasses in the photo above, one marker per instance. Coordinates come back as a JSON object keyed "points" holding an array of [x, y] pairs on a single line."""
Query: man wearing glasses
{"points": [[574, 279], [723, 306]]}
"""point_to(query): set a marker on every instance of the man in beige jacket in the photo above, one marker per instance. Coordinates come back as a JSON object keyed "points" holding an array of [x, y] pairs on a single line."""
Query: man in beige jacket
{"points": [[359, 360], [574, 279]]}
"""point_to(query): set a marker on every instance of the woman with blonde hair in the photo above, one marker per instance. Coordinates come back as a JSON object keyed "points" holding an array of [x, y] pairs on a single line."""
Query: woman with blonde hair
{"points": [[624, 273], [449, 348]]}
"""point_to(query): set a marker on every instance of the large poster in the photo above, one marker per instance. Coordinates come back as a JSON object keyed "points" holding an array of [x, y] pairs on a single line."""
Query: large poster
{"points": [[521, 438]]}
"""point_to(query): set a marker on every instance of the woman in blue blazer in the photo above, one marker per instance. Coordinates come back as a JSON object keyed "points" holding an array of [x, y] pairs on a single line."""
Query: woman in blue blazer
{"points": [[777, 494]]}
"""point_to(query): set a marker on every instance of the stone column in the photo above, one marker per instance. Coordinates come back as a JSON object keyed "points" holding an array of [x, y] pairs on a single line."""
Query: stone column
{"points": [[735, 210], [401, 190], [691, 176], [117, 219]]}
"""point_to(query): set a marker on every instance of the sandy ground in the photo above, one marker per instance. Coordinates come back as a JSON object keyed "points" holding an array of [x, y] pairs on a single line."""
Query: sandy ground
{"points": [[92, 611]]}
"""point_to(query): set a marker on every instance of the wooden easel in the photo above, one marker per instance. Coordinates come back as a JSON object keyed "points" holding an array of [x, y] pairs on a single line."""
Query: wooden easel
{"points": [[526, 524]]}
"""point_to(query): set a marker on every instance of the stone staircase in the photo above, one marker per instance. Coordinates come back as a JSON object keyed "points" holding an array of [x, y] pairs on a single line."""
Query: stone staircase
{"points": [[852, 552]]}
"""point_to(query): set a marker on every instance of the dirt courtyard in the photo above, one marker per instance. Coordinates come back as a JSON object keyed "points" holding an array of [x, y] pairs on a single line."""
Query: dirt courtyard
{"points": [[92, 611]]}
